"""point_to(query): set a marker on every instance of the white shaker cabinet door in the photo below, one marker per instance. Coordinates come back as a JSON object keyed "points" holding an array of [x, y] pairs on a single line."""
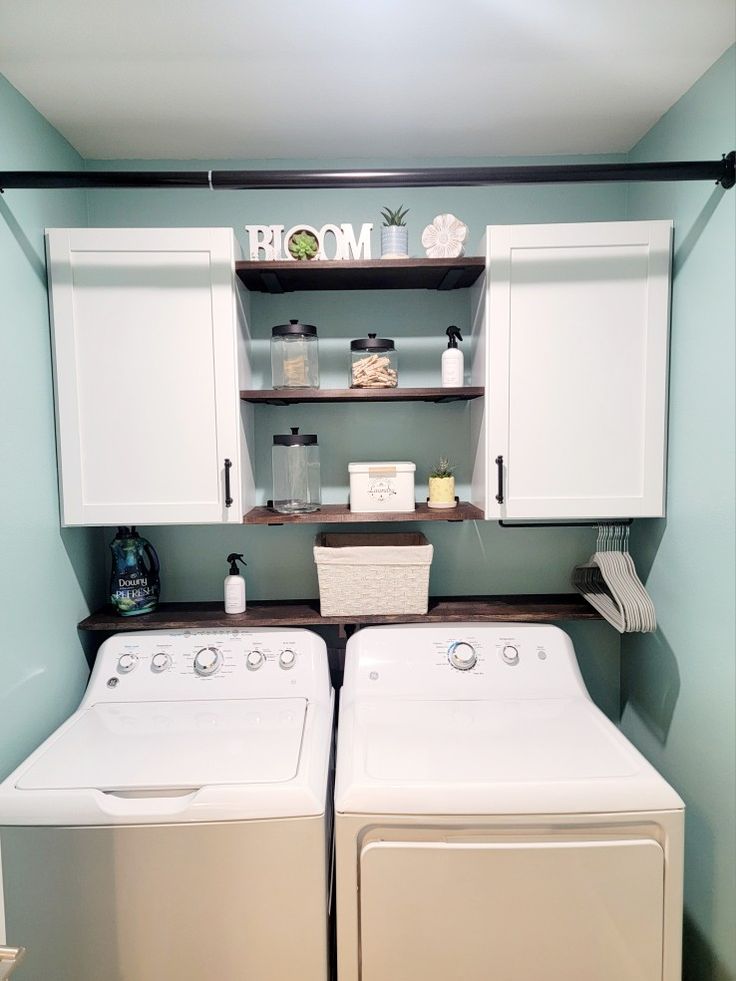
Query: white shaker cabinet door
{"points": [[578, 330], [144, 337]]}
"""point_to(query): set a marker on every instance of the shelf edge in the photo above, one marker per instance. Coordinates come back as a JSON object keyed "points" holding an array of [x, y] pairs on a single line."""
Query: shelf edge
{"points": [[523, 608]]}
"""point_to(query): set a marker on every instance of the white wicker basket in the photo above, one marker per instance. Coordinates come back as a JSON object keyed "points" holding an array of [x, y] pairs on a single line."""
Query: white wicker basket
{"points": [[364, 575]]}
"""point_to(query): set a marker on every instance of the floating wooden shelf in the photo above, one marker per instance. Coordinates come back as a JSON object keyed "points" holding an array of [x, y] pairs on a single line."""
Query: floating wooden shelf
{"points": [[333, 514], [305, 613], [371, 274], [291, 397]]}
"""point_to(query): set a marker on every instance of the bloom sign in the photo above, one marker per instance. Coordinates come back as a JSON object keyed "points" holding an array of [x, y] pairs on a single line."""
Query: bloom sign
{"points": [[333, 241]]}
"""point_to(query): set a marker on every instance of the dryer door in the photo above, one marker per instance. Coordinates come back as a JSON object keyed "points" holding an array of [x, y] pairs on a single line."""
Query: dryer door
{"points": [[531, 911]]}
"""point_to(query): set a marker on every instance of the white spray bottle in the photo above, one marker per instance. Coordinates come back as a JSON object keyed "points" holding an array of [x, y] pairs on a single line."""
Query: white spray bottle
{"points": [[235, 585], [453, 362]]}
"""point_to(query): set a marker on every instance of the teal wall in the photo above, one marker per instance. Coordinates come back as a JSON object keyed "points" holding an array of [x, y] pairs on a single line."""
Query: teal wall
{"points": [[679, 685], [47, 578], [469, 557]]}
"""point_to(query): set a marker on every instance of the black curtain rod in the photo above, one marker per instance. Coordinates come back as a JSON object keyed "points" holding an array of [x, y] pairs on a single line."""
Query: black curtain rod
{"points": [[720, 171]]}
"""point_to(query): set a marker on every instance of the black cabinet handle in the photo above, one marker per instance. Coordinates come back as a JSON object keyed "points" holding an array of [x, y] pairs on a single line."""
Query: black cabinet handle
{"points": [[228, 497], [499, 464]]}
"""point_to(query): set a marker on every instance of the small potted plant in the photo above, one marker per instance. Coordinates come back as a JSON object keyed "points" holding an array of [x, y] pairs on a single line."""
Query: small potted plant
{"points": [[303, 245], [394, 234], [442, 485]]}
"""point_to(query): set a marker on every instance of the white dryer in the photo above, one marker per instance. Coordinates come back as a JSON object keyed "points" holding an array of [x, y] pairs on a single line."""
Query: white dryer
{"points": [[177, 826], [491, 822]]}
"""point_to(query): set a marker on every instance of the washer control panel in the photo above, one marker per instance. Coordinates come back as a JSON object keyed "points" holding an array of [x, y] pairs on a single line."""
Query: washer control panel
{"points": [[227, 663]]}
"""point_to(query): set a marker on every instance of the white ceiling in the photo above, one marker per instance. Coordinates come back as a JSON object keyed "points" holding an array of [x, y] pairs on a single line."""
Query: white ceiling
{"points": [[357, 78]]}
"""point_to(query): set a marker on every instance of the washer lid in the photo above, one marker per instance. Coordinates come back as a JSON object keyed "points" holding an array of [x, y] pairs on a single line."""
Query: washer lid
{"points": [[139, 746]]}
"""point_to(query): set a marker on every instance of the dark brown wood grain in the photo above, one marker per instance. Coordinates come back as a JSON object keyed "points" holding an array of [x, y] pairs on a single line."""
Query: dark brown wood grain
{"points": [[292, 397], [332, 514], [543, 608], [362, 274]]}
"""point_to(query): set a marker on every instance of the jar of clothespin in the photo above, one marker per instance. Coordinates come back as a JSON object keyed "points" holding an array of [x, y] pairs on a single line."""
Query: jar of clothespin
{"points": [[374, 363], [294, 356]]}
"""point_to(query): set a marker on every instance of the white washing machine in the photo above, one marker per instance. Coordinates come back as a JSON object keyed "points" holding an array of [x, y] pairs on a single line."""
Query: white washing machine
{"points": [[491, 822], [177, 826]]}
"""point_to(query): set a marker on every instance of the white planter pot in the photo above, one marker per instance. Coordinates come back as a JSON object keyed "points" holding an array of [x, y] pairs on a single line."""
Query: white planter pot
{"points": [[395, 242]]}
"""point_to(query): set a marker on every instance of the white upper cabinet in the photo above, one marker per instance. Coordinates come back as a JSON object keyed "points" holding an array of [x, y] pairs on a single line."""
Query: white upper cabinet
{"points": [[145, 339], [577, 324]]}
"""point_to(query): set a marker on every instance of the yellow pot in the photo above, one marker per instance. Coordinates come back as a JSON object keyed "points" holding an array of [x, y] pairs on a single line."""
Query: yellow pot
{"points": [[442, 492]]}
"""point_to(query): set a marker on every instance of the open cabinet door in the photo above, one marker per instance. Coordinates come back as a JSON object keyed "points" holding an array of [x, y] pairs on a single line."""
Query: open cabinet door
{"points": [[527, 911]]}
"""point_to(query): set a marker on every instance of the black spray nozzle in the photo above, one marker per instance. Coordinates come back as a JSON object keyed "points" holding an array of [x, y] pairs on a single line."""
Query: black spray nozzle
{"points": [[233, 558], [454, 335]]}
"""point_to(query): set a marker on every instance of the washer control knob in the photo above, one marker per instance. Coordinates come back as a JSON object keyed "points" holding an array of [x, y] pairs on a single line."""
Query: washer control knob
{"points": [[510, 654], [462, 655], [207, 661], [287, 659], [126, 663], [160, 662], [254, 660]]}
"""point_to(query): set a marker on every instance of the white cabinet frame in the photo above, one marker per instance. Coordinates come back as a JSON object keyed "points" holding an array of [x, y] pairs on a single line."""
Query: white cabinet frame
{"points": [[571, 338], [148, 335]]}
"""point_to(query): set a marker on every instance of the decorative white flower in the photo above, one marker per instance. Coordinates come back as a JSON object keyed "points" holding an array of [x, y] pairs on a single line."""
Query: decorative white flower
{"points": [[444, 238]]}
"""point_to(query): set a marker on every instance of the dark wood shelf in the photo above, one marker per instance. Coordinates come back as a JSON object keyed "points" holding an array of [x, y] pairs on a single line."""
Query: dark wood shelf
{"points": [[293, 396], [363, 274], [304, 613], [333, 514]]}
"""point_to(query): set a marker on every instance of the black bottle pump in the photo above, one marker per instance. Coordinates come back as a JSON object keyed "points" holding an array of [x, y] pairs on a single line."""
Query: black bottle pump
{"points": [[233, 558], [454, 335]]}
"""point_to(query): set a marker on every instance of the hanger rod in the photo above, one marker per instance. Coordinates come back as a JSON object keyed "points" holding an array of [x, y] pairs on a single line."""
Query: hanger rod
{"points": [[723, 172]]}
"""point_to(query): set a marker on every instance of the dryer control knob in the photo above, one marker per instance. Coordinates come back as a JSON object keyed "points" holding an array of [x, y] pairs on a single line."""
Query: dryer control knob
{"points": [[510, 654], [207, 661], [462, 655], [254, 660], [126, 663], [287, 659], [160, 662]]}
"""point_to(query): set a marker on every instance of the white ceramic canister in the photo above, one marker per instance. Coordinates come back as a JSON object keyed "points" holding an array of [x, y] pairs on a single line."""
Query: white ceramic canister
{"points": [[382, 486]]}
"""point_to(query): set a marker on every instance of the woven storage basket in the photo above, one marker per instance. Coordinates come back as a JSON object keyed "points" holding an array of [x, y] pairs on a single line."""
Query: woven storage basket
{"points": [[363, 575]]}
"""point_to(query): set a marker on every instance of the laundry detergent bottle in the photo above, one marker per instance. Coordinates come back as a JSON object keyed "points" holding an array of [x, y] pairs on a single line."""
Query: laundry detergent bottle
{"points": [[134, 582]]}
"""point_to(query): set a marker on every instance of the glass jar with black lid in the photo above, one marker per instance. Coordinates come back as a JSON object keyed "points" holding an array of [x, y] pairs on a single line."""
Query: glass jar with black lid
{"points": [[294, 356], [295, 466], [374, 363]]}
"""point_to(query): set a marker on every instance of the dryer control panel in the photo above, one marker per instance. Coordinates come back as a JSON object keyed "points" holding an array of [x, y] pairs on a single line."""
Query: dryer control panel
{"points": [[200, 664], [462, 660]]}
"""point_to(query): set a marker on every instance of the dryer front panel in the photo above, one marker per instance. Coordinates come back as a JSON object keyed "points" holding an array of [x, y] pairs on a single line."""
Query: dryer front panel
{"points": [[528, 910]]}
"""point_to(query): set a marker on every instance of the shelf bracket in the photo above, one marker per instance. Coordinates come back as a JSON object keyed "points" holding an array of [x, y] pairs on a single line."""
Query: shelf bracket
{"points": [[450, 280], [272, 282], [728, 179]]}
